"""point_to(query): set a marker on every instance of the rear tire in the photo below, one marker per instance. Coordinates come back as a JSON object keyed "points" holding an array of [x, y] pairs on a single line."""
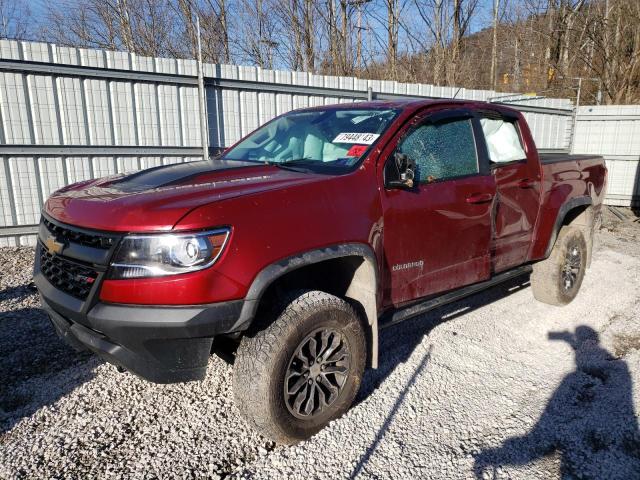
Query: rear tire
{"points": [[316, 334], [557, 279]]}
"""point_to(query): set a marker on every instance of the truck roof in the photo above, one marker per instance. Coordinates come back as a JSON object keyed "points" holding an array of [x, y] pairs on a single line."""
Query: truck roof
{"points": [[407, 104]]}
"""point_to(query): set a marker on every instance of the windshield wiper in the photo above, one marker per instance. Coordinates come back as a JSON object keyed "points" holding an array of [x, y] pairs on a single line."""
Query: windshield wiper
{"points": [[295, 162], [298, 161]]}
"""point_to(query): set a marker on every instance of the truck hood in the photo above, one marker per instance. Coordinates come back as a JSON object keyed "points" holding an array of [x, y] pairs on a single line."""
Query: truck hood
{"points": [[155, 199]]}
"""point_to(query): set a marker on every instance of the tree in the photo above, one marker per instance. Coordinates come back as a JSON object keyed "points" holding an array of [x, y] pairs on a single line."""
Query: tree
{"points": [[538, 45], [494, 46], [15, 19]]}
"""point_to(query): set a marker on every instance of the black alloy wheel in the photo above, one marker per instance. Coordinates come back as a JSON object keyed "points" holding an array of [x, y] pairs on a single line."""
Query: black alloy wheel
{"points": [[316, 373], [572, 266]]}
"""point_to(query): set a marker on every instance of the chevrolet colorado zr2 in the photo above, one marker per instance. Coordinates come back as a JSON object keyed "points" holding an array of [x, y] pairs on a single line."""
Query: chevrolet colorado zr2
{"points": [[289, 252]]}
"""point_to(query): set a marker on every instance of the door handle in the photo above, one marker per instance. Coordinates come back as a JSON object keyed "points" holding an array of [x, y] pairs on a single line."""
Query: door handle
{"points": [[479, 198], [526, 183]]}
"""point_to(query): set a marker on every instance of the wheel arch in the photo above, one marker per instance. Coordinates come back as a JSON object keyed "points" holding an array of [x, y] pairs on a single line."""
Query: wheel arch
{"points": [[573, 211], [358, 281]]}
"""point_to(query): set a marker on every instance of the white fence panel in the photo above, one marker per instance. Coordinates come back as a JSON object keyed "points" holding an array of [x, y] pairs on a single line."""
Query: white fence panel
{"points": [[614, 132], [97, 106], [62, 126]]}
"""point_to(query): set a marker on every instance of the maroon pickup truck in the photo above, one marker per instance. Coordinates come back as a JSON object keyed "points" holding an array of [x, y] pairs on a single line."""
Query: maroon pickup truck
{"points": [[289, 253]]}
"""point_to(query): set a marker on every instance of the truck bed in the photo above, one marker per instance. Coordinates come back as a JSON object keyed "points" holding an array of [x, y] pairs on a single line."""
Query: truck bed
{"points": [[565, 157]]}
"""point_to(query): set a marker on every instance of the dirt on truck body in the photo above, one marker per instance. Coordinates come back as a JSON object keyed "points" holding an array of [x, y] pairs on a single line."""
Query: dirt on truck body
{"points": [[288, 253]]}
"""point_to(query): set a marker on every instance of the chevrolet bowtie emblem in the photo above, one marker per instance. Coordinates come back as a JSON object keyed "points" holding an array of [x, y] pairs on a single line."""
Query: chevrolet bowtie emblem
{"points": [[53, 245]]}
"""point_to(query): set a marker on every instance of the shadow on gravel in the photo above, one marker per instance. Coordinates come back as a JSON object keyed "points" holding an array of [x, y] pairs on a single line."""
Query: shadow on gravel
{"points": [[18, 292], [589, 420], [398, 342], [31, 354]]}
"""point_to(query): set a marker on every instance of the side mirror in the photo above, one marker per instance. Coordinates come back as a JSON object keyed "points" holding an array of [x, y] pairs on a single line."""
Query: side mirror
{"points": [[406, 168]]}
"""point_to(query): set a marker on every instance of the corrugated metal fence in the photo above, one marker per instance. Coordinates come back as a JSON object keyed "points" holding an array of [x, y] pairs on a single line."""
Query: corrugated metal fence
{"points": [[69, 114], [614, 132]]}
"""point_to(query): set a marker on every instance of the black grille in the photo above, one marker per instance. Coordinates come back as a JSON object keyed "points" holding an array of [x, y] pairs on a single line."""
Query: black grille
{"points": [[70, 277], [66, 235]]}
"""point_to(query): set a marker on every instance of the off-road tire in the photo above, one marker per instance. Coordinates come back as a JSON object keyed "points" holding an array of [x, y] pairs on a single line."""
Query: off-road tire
{"points": [[548, 280], [264, 359]]}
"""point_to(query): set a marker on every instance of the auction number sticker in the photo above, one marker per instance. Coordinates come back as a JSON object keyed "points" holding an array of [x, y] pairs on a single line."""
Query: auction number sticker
{"points": [[363, 138]]}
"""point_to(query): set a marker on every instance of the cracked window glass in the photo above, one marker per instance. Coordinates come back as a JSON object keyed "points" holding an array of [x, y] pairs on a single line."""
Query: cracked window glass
{"points": [[442, 150]]}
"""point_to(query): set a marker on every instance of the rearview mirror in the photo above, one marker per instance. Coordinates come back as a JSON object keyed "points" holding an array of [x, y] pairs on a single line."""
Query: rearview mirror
{"points": [[405, 168]]}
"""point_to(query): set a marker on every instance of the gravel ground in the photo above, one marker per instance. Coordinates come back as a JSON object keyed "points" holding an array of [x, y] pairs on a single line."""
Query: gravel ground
{"points": [[495, 386]]}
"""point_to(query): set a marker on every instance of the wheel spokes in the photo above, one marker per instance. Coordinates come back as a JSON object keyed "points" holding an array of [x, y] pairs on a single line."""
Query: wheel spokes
{"points": [[335, 369], [332, 389], [295, 388], [313, 346], [300, 397], [309, 408], [324, 342], [333, 346], [571, 268], [304, 359], [317, 372]]}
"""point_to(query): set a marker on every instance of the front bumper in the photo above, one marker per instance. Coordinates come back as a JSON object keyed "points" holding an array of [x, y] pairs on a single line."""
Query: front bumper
{"points": [[159, 344], [162, 345]]}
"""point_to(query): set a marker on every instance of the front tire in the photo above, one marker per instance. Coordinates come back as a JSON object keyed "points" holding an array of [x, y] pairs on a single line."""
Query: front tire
{"points": [[557, 279], [294, 376]]}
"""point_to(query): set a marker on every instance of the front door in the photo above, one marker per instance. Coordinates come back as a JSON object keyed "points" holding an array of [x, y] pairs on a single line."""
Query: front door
{"points": [[437, 235]]}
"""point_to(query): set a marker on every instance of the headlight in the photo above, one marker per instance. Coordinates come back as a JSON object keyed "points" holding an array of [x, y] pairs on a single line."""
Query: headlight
{"points": [[166, 254]]}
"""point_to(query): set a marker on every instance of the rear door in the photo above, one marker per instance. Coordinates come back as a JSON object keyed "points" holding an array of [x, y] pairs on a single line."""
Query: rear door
{"points": [[517, 179], [437, 235]]}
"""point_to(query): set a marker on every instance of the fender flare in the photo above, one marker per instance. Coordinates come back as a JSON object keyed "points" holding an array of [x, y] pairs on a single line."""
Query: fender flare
{"points": [[272, 272], [562, 214]]}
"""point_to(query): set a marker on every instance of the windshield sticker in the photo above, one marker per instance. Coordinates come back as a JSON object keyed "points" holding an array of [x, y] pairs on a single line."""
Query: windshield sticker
{"points": [[357, 150], [365, 138]]}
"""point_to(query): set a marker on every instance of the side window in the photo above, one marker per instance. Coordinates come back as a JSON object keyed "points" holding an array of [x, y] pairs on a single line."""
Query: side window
{"points": [[442, 150], [503, 140]]}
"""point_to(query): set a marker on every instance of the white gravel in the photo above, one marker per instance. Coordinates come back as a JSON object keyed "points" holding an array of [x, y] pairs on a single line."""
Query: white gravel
{"points": [[476, 388]]}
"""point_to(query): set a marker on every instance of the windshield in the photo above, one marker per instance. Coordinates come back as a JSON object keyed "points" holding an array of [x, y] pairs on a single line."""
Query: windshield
{"points": [[320, 140]]}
